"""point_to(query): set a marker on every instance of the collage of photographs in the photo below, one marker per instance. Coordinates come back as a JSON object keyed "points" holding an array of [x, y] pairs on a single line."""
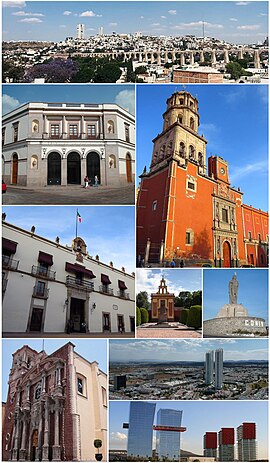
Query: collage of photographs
{"points": [[135, 232]]}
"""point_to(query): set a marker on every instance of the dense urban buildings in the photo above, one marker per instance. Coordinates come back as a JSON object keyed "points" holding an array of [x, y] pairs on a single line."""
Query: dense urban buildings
{"points": [[50, 288], [62, 143], [56, 407], [140, 429], [179, 188]]}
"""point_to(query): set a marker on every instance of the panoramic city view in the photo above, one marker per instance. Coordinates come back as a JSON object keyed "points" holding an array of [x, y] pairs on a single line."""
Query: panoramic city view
{"points": [[188, 370], [103, 42]]}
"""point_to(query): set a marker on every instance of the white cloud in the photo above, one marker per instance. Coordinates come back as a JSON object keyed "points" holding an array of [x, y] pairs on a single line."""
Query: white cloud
{"points": [[113, 24], [90, 14], [67, 13], [9, 103], [238, 173], [196, 24], [233, 19], [14, 3], [23, 13], [62, 26], [172, 12], [141, 17], [30, 20], [242, 3], [155, 24], [163, 17], [118, 436], [249, 27], [126, 99], [262, 14]]}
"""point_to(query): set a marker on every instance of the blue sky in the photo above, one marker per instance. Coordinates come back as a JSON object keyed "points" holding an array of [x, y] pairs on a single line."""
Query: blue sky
{"points": [[234, 121], [107, 231], [252, 291], [186, 349], [198, 417], [237, 22], [16, 95], [176, 279], [91, 350]]}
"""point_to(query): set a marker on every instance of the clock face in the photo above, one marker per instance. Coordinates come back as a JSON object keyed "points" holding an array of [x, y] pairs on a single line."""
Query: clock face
{"points": [[222, 170]]}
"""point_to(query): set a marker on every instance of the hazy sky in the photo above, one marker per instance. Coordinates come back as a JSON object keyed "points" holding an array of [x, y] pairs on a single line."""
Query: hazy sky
{"points": [[252, 291], [233, 21], [91, 350], [186, 349], [198, 417], [176, 279], [108, 231], [234, 121], [16, 95]]}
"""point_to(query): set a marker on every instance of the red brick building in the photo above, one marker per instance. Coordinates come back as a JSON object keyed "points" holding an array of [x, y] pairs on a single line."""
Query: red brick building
{"points": [[56, 407], [187, 211]]}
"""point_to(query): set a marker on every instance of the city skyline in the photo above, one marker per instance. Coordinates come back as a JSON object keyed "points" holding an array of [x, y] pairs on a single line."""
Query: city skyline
{"points": [[102, 232], [252, 292], [219, 414], [17, 95], [177, 280], [238, 22], [158, 350], [226, 137]]}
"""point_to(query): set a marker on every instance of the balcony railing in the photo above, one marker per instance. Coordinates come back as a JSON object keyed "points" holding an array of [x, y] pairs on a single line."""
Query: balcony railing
{"points": [[84, 285], [43, 293], [105, 290], [123, 294], [43, 272], [9, 263], [67, 136]]}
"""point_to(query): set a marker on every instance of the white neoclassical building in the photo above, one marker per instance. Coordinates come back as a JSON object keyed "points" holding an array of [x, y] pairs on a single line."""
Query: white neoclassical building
{"points": [[61, 143], [50, 288]]}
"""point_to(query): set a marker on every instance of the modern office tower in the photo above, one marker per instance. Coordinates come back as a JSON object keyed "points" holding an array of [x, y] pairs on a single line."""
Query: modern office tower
{"points": [[210, 444], [246, 442], [209, 367], [226, 444], [101, 30], [80, 31], [119, 382], [219, 368], [140, 434], [168, 442]]}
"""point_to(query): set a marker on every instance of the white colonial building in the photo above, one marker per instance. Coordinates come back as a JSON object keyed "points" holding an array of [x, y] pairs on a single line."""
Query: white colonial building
{"points": [[50, 288], [61, 143]]}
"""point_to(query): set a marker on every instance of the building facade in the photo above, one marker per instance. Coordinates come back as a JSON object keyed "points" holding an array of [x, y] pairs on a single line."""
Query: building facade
{"points": [[51, 288], [140, 429], [226, 442], [168, 442], [61, 143], [246, 442], [219, 368], [209, 368], [56, 407], [162, 301], [187, 211], [210, 445]]}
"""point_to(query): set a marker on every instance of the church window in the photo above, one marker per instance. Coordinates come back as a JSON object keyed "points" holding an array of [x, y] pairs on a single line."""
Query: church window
{"points": [[259, 237], [191, 186], [200, 159], [80, 385], [180, 119], [104, 396], [181, 101], [182, 149], [191, 152], [154, 206], [38, 392], [192, 123], [188, 237], [249, 236], [225, 217]]}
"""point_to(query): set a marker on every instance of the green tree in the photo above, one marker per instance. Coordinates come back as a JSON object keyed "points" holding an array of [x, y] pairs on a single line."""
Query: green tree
{"points": [[142, 300], [138, 317], [194, 319], [236, 71], [140, 70], [144, 315], [108, 72], [196, 298], [184, 316]]}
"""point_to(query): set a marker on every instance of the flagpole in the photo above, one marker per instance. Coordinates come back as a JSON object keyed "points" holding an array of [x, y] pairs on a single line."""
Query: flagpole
{"points": [[77, 223]]}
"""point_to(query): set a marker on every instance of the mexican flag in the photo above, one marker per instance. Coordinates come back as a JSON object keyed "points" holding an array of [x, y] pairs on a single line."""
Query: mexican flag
{"points": [[79, 218]]}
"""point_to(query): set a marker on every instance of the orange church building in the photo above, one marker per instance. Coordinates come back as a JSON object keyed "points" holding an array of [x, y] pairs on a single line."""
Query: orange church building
{"points": [[189, 211]]}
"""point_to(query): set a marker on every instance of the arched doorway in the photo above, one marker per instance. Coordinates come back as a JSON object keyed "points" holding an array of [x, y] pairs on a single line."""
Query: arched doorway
{"points": [[14, 179], [54, 169], [93, 167], [128, 168], [74, 168], [34, 445], [226, 254]]}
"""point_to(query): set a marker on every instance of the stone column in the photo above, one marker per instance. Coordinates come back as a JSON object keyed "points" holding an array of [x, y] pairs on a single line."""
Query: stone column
{"points": [[213, 57], [226, 57], [56, 447], [83, 168], [45, 447], [38, 450], [166, 57], [152, 58], [173, 56], [147, 251], [14, 453], [182, 59], [159, 58], [191, 55], [240, 54], [257, 63], [22, 449], [64, 170], [201, 57]]}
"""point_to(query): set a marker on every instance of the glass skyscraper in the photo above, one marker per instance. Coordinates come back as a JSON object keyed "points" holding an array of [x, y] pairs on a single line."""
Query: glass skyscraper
{"points": [[140, 434], [168, 442]]}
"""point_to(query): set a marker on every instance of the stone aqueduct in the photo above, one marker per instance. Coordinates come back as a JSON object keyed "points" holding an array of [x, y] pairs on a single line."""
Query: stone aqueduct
{"points": [[161, 56]]}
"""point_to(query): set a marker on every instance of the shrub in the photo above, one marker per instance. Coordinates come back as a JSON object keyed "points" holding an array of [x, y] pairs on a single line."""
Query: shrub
{"points": [[194, 319], [144, 315], [184, 316], [138, 317]]}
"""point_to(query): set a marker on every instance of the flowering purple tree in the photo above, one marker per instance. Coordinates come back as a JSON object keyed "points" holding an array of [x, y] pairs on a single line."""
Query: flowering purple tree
{"points": [[55, 71]]}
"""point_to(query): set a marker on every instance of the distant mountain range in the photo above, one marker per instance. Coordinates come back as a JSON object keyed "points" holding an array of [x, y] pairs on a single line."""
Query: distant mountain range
{"points": [[183, 362]]}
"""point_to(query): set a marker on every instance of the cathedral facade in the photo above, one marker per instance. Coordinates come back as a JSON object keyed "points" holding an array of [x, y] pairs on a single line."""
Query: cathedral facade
{"points": [[187, 208], [56, 407]]}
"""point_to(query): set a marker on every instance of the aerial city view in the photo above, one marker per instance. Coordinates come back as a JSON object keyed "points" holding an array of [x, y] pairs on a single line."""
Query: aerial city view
{"points": [[135, 231]]}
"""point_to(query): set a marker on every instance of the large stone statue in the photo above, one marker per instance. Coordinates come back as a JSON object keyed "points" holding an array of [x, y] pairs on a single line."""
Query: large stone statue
{"points": [[233, 290]]}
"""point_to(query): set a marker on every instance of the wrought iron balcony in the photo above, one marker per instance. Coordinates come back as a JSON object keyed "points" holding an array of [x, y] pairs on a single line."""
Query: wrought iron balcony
{"points": [[9, 263], [38, 291], [123, 294], [43, 272], [105, 290], [77, 283]]}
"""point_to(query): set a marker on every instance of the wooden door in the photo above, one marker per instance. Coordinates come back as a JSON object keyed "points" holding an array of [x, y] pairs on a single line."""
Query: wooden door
{"points": [[15, 169], [226, 254]]}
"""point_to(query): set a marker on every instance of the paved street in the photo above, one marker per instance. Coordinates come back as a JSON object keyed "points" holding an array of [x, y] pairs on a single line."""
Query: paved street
{"points": [[72, 194], [69, 336], [179, 331]]}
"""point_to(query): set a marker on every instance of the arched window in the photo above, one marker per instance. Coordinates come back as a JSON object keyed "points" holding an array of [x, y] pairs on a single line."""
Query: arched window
{"points": [[192, 123], [182, 149], [191, 152], [170, 148], [200, 159], [189, 237], [180, 119], [112, 161], [35, 126], [34, 162], [181, 101], [162, 152], [110, 127]]}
